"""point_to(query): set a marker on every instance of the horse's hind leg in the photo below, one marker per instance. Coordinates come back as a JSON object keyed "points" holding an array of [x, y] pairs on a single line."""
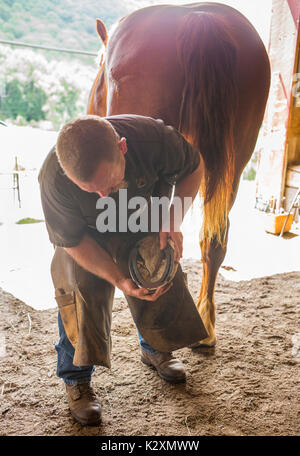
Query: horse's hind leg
{"points": [[213, 254]]}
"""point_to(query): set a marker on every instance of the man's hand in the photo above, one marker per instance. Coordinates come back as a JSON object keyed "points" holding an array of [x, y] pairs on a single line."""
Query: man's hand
{"points": [[177, 238], [96, 260], [128, 287]]}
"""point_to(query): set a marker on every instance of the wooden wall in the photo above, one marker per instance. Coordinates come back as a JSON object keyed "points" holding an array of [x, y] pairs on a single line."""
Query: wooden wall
{"points": [[281, 145]]}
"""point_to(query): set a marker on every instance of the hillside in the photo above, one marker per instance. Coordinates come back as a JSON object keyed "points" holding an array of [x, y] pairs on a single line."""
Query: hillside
{"points": [[45, 89], [67, 23]]}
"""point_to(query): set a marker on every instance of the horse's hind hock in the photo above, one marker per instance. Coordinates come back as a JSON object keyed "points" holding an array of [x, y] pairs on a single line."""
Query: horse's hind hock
{"points": [[207, 311]]}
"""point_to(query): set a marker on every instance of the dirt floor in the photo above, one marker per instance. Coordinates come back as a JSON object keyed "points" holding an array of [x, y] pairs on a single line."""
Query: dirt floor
{"points": [[248, 385]]}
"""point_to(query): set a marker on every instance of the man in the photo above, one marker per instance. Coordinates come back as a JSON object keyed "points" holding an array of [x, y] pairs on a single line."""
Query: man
{"points": [[96, 157]]}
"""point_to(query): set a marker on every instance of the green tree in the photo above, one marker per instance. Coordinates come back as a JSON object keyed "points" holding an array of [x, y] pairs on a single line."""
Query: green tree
{"points": [[23, 99], [12, 103], [66, 107], [34, 100], [4, 12]]}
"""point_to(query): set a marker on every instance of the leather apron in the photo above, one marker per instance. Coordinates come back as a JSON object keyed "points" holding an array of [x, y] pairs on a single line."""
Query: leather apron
{"points": [[85, 303]]}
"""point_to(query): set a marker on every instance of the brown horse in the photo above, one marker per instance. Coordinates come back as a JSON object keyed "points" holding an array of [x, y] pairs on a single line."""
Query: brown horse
{"points": [[203, 69]]}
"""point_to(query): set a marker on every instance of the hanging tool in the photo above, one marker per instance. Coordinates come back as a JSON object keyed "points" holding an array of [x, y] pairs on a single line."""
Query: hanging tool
{"points": [[294, 204]]}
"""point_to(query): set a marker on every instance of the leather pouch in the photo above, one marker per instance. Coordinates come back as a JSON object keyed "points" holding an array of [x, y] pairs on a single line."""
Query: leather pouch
{"points": [[67, 307]]}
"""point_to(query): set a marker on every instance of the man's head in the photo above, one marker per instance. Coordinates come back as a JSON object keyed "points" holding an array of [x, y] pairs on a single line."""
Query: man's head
{"points": [[92, 154]]}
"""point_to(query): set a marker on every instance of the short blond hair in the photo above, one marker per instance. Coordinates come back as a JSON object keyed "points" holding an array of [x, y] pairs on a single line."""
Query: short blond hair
{"points": [[84, 143]]}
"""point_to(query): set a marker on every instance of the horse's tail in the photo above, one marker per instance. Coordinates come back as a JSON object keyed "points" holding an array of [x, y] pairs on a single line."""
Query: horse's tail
{"points": [[207, 53]]}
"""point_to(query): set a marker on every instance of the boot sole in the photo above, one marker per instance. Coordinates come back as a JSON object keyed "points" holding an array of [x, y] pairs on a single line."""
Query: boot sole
{"points": [[164, 377]]}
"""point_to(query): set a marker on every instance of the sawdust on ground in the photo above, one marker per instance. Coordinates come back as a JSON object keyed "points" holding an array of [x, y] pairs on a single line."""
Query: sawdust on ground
{"points": [[247, 385]]}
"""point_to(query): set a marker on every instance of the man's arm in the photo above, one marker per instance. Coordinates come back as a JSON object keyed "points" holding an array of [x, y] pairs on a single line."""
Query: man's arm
{"points": [[92, 257]]}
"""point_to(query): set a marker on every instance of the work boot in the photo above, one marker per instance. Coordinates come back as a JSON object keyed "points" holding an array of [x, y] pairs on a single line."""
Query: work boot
{"points": [[84, 404], [168, 367]]}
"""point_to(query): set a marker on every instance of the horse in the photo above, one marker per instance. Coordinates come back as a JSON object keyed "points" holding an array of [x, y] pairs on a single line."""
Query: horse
{"points": [[203, 69]]}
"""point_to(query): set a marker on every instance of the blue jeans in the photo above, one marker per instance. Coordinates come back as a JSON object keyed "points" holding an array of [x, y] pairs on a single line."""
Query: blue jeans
{"points": [[73, 375]]}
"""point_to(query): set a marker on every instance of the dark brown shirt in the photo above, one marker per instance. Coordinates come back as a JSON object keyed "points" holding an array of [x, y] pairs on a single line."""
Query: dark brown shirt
{"points": [[155, 152]]}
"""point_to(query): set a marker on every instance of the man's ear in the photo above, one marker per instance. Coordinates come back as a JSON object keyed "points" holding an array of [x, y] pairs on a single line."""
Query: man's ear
{"points": [[123, 145]]}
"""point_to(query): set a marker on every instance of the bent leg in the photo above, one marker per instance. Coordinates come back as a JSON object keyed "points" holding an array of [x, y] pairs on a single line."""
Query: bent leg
{"points": [[71, 375], [85, 305], [172, 321]]}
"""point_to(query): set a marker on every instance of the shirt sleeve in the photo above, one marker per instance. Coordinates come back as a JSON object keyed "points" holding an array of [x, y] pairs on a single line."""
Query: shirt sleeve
{"points": [[179, 158], [64, 221]]}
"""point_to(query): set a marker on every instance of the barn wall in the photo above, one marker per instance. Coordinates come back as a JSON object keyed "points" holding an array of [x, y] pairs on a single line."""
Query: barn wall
{"points": [[281, 145], [282, 44]]}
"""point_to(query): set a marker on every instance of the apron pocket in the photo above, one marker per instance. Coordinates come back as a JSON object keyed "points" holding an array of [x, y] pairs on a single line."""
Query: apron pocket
{"points": [[67, 307]]}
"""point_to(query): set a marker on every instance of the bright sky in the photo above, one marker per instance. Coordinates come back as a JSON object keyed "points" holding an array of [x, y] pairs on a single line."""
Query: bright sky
{"points": [[258, 12]]}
